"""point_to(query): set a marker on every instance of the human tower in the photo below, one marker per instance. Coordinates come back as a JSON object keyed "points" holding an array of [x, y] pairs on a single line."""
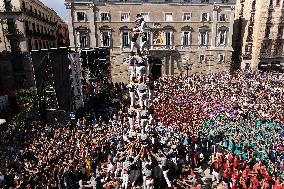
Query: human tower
{"points": [[141, 144]]}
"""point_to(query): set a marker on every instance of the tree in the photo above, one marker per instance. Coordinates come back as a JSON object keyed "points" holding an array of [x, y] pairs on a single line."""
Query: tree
{"points": [[26, 99]]}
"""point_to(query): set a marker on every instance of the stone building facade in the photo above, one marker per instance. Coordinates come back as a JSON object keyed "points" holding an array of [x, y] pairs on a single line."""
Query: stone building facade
{"points": [[196, 34], [25, 25], [259, 35]]}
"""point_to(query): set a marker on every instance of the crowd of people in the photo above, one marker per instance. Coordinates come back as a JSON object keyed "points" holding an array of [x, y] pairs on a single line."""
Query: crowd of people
{"points": [[242, 115], [207, 131]]}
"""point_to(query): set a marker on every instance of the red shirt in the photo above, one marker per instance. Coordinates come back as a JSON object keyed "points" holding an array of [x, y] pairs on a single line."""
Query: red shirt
{"points": [[255, 182]]}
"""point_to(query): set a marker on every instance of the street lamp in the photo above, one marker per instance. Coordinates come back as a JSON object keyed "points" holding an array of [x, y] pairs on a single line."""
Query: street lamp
{"points": [[187, 65]]}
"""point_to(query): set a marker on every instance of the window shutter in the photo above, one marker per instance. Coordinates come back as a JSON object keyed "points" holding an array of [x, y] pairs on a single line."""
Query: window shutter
{"points": [[226, 38], [172, 38], [189, 38], [206, 38]]}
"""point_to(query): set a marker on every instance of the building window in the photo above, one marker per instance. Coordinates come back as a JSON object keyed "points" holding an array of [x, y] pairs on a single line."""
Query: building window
{"points": [[168, 17], [105, 16], [267, 31], [36, 44], [187, 16], [248, 49], [265, 44], [222, 37], [202, 58], [105, 38], [205, 17], [168, 37], [83, 37], [30, 45], [186, 38], [145, 15], [203, 38], [124, 17], [125, 39], [81, 16], [221, 58], [223, 17], [280, 32]]}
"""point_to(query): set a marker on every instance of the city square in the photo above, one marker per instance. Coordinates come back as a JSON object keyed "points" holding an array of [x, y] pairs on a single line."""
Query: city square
{"points": [[156, 94]]}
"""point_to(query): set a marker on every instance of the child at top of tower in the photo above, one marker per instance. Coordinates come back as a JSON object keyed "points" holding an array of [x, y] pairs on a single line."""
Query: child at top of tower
{"points": [[140, 22]]}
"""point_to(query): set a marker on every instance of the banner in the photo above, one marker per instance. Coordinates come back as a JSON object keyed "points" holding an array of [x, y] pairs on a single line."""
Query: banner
{"points": [[60, 65], [76, 78], [39, 61]]}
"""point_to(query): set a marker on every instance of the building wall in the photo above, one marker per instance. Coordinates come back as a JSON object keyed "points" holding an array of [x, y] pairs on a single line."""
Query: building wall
{"points": [[30, 25], [172, 55], [267, 13]]}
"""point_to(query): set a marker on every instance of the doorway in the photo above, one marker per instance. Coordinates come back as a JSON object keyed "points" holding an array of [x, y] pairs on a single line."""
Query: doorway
{"points": [[156, 69]]}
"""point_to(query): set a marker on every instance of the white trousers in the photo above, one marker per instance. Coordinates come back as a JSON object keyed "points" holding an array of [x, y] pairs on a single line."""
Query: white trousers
{"points": [[149, 69], [142, 99], [132, 98], [131, 122], [148, 184], [134, 44], [216, 176], [143, 45], [143, 124], [125, 179], [151, 95], [140, 71], [165, 173], [132, 76]]}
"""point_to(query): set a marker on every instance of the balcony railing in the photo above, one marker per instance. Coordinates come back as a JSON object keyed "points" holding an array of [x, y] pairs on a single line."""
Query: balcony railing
{"points": [[13, 33], [162, 47], [247, 56], [10, 9], [39, 17]]}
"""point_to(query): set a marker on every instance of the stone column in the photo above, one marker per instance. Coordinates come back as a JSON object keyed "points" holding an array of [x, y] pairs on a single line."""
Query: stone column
{"points": [[69, 22], [214, 25], [171, 66], [91, 19], [164, 61]]}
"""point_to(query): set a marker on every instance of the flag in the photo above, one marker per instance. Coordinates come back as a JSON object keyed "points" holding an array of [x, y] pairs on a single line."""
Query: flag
{"points": [[161, 39]]}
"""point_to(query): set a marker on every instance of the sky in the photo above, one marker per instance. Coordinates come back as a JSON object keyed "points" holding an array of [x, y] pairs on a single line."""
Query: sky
{"points": [[58, 6]]}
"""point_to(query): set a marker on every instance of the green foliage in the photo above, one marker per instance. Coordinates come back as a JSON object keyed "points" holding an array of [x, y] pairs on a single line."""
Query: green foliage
{"points": [[26, 99]]}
